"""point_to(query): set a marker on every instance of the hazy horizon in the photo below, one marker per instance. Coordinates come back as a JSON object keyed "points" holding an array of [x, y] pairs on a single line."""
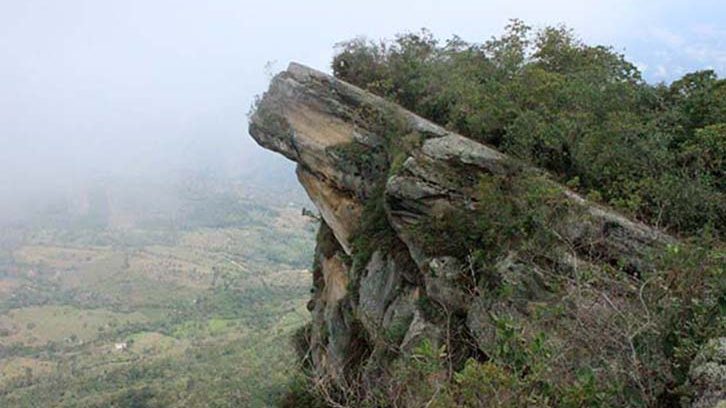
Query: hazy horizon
{"points": [[153, 90]]}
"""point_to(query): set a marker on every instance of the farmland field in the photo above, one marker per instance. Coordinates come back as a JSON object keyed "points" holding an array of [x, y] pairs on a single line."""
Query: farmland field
{"points": [[194, 309]]}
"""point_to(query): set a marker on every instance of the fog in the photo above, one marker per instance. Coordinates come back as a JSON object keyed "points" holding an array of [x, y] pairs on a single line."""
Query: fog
{"points": [[96, 91]]}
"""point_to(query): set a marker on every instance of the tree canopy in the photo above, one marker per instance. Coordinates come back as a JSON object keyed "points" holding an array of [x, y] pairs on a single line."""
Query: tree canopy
{"points": [[655, 152]]}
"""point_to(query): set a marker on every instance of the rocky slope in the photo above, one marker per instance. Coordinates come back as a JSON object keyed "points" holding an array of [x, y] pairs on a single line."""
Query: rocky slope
{"points": [[428, 237]]}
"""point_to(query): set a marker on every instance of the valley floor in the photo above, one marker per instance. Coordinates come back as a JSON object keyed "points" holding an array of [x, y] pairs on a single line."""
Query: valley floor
{"points": [[153, 315]]}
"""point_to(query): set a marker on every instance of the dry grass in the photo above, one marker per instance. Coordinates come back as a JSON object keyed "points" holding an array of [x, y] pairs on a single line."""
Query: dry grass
{"points": [[39, 325]]}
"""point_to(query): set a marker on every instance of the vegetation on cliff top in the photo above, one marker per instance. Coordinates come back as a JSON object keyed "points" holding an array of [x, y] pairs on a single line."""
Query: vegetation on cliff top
{"points": [[656, 152]]}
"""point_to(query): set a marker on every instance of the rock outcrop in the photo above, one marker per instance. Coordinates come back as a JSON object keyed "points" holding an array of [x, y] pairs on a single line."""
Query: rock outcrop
{"points": [[388, 273], [708, 375]]}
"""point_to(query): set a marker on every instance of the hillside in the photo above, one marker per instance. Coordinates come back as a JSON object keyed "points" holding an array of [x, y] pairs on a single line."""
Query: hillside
{"points": [[448, 273]]}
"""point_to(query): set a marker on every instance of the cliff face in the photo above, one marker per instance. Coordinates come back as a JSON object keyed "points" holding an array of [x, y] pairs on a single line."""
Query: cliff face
{"points": [[431, 238]]}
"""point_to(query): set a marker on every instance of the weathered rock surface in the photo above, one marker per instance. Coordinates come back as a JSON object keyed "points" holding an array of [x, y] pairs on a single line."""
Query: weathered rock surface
{"points": [[337, 134], [708, 375]]}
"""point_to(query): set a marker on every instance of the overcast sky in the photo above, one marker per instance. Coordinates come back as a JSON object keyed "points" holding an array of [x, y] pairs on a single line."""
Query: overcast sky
{"points": [[99, 87]]}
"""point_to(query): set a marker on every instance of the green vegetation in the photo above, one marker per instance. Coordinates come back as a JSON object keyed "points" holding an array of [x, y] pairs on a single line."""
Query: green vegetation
{"points": [[517, 375], [510, 209], [374, 233], [582, 112]]}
